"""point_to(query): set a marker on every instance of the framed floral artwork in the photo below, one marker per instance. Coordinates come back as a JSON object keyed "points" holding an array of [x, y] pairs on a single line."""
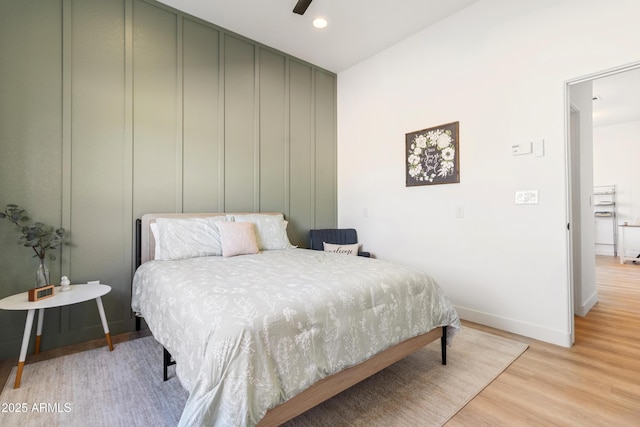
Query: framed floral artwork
{"points": [[432, 155]]}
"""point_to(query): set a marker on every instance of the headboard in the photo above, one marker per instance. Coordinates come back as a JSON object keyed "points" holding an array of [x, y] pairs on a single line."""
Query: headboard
{"points": [[147, 244]]}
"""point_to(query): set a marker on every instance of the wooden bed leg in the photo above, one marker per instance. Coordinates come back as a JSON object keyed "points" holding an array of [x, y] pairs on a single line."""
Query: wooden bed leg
{"points": [[443, 345]]}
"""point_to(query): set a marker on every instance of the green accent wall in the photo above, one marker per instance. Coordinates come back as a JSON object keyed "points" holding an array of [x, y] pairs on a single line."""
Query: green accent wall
{"points": [[113, 108]]}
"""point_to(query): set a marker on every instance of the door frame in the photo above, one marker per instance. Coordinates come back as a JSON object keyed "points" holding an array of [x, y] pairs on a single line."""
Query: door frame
{"points": [[569, 168]]}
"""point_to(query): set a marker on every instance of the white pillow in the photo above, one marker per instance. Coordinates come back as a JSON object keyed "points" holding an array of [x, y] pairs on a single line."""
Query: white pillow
{"points": [[154, 231], [271, 230], [180, 238], [238, 238], [341, 249]]}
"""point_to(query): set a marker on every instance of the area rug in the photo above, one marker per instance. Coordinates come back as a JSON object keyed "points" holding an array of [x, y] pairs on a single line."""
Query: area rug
{"points": [[125, 388]]}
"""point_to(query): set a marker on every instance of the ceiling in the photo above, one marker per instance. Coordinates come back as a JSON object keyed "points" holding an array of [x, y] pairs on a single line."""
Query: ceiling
{"points": [[619, 98], [357, 28]]}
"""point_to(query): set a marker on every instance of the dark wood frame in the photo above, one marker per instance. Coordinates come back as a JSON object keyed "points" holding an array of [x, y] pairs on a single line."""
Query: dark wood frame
{"points": [[426, 155]]}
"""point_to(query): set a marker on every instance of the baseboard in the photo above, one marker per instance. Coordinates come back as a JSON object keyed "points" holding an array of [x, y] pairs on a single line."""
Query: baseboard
{"points": [[604, 249], [588, 305], [561, 338]]}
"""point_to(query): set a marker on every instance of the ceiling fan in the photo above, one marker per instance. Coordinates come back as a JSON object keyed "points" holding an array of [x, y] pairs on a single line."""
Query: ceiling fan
{"points": [[301, 6]]}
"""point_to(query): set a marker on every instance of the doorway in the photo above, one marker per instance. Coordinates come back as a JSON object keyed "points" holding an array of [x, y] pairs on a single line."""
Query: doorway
{"points": [[582, 112]]}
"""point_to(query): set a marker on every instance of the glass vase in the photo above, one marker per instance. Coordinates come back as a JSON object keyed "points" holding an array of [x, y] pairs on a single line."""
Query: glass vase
{"points": [[42, 274]]}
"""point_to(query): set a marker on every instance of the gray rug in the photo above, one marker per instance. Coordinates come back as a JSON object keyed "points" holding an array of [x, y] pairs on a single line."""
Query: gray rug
{"points": [[125, 388]]}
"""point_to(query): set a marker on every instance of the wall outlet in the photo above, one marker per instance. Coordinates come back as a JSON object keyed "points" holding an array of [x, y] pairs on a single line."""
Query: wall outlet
{"points": [[526, 197], [459, 212]]}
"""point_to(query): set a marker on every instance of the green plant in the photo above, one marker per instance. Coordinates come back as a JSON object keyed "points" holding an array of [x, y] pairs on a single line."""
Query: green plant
{"points": [[37, 236]]}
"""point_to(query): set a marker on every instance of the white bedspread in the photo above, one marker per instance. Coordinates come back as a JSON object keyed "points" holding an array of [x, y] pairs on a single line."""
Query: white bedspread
{"points": [[252, 331]]}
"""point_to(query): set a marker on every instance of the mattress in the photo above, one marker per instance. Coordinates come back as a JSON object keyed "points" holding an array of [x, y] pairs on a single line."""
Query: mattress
{"points": [[250, 332]]}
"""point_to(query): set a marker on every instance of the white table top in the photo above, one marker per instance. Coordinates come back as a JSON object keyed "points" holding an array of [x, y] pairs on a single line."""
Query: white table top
{"points": [[77, 293]]}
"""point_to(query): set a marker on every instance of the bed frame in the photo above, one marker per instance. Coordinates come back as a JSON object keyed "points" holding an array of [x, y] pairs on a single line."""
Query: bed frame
{"points": [[321, 390]]}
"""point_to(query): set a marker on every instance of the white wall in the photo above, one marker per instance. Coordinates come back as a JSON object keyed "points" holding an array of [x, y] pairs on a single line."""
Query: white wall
{"points": [[615, 161], [499, 67]]}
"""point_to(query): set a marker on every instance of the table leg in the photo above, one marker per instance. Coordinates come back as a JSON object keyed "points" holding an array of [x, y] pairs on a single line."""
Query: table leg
{"points": [[39, 330], [25, 344], [622, 251], [105, 326]]}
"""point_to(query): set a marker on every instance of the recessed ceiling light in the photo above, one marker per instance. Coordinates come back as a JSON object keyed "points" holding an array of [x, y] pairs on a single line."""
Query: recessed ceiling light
{"points": [[319, 22]]}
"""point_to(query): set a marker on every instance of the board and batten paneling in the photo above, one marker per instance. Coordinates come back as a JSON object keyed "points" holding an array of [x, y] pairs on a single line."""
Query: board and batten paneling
{"points": [[239, 128], [155, 97], [98, 192], [30, 142], [301, 165], [273, 132], [325, 179], [113, 108], [202, 129]]}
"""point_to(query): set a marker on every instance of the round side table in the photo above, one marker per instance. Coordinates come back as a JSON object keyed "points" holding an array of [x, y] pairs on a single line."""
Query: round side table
{"points": [[77, 293]]}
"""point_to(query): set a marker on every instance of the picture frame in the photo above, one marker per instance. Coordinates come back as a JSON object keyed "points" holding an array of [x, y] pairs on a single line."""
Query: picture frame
{"points": [[432, 155]]}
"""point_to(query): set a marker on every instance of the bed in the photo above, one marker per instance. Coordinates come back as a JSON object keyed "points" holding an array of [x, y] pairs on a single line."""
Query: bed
{"points": [[261, 336]]}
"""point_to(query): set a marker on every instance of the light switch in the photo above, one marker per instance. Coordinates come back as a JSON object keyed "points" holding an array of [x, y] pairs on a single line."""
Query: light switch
{"points": [[538, 148], [518, 149]]}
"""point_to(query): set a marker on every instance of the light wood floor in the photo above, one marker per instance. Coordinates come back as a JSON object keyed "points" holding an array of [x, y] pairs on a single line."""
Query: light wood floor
{"points": [[594, 383]]}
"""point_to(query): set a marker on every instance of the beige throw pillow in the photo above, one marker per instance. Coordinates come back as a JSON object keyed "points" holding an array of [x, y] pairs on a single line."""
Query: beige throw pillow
{"points": [[271, 230], [238, 238]]}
